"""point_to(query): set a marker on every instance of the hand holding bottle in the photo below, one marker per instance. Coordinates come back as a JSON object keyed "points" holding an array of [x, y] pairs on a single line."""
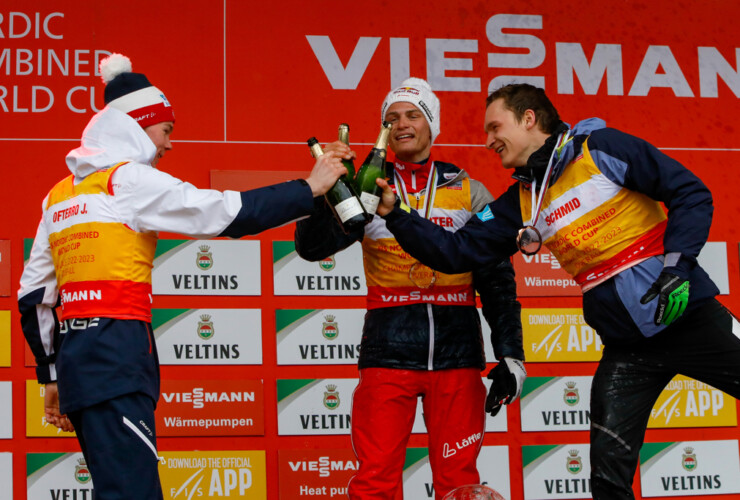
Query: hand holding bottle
{"points": [[327, 169], [345, 204], [373, 168], [343, 151], [387, 199]]}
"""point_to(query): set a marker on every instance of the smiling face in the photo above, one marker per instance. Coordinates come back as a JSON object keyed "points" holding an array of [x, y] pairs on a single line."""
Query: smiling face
{"points": [[513, 140], [159, 133], [411, 137]]}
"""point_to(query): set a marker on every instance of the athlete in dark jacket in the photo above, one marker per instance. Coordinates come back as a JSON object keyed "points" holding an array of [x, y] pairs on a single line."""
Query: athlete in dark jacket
{"points": [[422, 333], [601, 217]]}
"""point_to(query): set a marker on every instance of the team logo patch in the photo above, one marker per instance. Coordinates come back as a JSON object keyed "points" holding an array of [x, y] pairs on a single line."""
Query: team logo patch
{"points": [[330, 329], [570, 395], [204, 260], [573, 462], [485, 214], [331, 397], [688, 460], [205, 327], [328, 263], [82, 473]]}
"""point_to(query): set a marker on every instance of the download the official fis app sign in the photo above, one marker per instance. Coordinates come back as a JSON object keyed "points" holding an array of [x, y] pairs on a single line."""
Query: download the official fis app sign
{"points": [[559, 335]]}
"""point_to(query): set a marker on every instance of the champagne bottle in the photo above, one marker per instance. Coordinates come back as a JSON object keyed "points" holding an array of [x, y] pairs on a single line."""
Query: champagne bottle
{"points": [[349, 164], [342, 199], [372, 168]]}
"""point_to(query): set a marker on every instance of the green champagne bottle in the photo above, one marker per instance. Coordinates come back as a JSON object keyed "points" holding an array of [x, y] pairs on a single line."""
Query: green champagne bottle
{"points": [[342, 199], [349, 164], [372, 168]]}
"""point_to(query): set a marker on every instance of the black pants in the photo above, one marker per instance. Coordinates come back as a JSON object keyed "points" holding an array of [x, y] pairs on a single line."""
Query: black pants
{"points": [[118, 442], [629, 380]]}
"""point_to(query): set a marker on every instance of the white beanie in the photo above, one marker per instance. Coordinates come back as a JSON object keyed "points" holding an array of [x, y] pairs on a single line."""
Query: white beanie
{"points": [[419, 93]]}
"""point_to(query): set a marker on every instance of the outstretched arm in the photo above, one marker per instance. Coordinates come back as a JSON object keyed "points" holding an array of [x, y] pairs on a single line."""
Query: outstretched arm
{"points": [[488, 237], [151, 200], [320, 236]]}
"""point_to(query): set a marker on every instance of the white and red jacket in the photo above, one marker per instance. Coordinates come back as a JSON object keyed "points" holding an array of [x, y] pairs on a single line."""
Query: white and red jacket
{"points": [[94, 245]]}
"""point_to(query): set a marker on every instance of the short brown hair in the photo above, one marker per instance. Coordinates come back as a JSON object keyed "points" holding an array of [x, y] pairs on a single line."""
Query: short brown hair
{"points": [[519, 97]]}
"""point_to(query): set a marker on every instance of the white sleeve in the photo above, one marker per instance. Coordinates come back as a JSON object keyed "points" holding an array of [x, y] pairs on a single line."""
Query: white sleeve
{"points": [[37, 297], [151, 200]]}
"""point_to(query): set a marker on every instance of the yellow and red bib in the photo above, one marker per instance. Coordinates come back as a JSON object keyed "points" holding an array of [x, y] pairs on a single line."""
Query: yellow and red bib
{"points": [[103, 267], [387, 265], [594, 227]]}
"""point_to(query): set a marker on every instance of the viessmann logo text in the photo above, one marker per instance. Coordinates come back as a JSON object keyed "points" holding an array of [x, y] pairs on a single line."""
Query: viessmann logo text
{"points": [[324, 466], [199, 397]]}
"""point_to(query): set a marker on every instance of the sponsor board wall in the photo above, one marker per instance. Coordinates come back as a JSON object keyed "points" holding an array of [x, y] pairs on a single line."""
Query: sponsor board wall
{"points": [[258, 347]]}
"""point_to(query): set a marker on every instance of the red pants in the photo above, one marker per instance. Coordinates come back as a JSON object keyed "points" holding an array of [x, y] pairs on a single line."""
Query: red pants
{"points": [[383, 410]]}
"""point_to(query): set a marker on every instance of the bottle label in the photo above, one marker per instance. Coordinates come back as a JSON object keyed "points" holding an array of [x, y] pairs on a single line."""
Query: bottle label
{"points": [[370, 201], [348, 208]]}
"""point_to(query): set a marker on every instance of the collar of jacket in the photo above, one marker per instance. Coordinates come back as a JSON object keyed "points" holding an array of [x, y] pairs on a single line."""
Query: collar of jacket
{"points": [[538, 161], [407, 170]]}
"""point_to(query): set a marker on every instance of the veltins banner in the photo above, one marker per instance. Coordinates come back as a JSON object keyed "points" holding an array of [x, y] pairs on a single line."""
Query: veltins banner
{"points": [[208, 336], [689, 468], [206, 267], [492, 463], [318, 336], [338, 274], [6, 476], [58, 475], [556, 404], [314, 406], [6, 410], [556, 471]]}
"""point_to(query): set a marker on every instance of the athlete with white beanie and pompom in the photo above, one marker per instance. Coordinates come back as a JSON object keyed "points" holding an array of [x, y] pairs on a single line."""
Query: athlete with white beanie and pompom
{"points": [[415, 341], [93, 255]]}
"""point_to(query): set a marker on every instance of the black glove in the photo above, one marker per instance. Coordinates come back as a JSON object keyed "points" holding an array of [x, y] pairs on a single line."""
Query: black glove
{"points": [[508, 377], [673, 296]]}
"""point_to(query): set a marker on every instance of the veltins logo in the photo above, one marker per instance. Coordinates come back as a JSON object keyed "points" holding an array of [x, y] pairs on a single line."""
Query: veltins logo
{"points": [[688, 460], [82, 473], [330, 329], [328, 263], [204, 259], [573, 462], [570, 394], [205, 327], [331, 397]]}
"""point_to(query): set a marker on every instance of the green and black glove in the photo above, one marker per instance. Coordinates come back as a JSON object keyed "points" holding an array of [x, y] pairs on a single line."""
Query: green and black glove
{"points": [[673, 296]]}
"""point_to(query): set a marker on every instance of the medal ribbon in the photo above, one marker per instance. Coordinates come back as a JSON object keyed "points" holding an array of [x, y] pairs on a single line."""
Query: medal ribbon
{"points": [[426, 209], [537, 202]]}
